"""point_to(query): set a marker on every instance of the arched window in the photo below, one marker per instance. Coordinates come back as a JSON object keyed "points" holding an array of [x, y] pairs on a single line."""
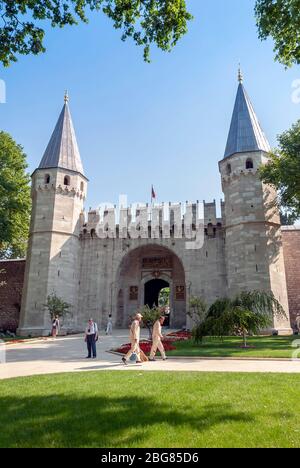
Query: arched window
{"points": [[249, 164], [82, 187], [228, 169], [47, 179], [67, 180]]}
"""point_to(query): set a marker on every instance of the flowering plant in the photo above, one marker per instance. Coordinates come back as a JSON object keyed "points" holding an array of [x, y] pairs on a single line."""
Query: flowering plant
{"points": [[169, 342], [145, 346]]}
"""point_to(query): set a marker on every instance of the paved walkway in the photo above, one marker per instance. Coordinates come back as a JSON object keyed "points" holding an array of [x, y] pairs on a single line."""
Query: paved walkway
{"points": [[67, 354]]}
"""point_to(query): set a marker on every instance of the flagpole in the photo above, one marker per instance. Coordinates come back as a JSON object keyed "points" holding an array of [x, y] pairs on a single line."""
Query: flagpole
{"points": [[151, 203]]}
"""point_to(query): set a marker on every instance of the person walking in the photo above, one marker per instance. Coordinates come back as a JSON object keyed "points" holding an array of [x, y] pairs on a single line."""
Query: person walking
{"points": [[55, 326], [297, 323], [135, 330], [91, 338], [109, 326], [156, 340]]}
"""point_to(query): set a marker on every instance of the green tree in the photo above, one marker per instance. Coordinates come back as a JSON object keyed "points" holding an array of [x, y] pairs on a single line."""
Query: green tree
{"points": [[57, 306], [160, 22], [247, 313], [164, 297], [15, 199], [287, 218], [149, 317], [283, 171], [280, 19], [197, 312]]}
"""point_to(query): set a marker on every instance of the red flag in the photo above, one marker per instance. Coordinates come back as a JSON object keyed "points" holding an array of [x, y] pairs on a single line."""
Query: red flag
{"points": [[153, 194]]}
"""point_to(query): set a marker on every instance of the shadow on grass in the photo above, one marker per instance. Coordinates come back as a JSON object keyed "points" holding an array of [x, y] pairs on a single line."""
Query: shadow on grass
{"points": [[66, 421]]}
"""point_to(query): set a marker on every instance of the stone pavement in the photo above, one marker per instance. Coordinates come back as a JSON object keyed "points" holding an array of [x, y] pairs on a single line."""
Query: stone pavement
{"points": [[67, 354]]}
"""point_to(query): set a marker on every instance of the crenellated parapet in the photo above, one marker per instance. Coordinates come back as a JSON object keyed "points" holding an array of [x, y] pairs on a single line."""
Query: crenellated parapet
{"points": [[167, 220]]}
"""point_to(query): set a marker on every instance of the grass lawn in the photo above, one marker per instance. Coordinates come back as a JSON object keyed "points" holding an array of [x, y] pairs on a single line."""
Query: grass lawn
{"points": [[150, 409], [264, 347]]}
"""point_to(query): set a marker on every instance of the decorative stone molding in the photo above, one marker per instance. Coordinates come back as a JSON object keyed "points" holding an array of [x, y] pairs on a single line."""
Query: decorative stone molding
{"points": [[68, 191]]}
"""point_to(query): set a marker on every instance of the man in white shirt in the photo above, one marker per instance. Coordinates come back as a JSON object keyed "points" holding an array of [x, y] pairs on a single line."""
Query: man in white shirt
{"points": [[91, 337], [135, 330], [156, 340]]}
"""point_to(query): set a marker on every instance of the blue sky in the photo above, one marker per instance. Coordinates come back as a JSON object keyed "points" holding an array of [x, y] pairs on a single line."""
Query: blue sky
{"points": [[165, 123]]}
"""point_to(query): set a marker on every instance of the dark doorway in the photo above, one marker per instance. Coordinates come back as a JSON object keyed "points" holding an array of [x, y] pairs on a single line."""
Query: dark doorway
{"points": [[152, 290]]}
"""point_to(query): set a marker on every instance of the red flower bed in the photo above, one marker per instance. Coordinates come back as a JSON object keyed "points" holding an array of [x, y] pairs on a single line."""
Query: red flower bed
{"points": [[145, 347], [179, 336], [169, 343]]}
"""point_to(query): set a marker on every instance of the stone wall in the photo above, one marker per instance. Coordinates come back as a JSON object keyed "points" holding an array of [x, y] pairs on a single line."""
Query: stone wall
{"points": [[53, 250], [11, 293], [291, 248], [107, 274], [254, 252]]}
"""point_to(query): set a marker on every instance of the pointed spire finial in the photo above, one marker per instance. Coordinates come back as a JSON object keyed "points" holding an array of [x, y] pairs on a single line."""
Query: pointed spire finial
{"points": [[245, 134], [66, 98], [240, 75], [62, 150]]}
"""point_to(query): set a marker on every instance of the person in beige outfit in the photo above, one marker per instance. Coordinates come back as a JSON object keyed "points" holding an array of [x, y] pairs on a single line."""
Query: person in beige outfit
{"points": [[156, 340], [135, 329]]}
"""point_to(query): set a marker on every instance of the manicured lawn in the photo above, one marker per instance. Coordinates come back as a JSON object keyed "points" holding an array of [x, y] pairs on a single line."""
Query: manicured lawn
{"points": [[150, 409], [264, 347]]}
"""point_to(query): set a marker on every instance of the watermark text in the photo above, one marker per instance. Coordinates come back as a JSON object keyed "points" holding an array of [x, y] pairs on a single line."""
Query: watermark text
{"points": [[2, 92], [296, 92]]}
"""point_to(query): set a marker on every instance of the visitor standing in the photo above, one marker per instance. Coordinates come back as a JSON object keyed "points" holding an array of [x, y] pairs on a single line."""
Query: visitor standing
{"points": [[55, 326], [135, 330], [156, 340], [109, 325], [91, 338]]}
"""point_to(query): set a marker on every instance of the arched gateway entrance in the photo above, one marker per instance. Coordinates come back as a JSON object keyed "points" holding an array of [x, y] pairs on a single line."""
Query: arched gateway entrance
{"points": [[152, 291], [143, 274]]}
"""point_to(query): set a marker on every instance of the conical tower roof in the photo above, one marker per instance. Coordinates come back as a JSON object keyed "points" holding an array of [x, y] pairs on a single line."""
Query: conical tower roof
{"points": [[62, 150], [245, 134]]}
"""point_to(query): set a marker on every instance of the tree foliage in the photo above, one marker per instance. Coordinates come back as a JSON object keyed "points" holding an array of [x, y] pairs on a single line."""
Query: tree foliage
{"points": [[247, 313], [160, 22], [197, 313], [164, 297], [150, 316], [287, 218], [280, 19], [15, 199], [147, 22], [57, 306], [283, 171]]}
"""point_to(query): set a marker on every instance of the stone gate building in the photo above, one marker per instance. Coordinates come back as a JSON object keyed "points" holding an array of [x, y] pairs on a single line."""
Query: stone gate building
{"points": [[118, 274]]}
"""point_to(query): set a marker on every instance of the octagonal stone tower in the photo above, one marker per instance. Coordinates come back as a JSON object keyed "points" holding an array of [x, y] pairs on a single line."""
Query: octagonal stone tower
{"points": [[254, 253], [58, 191]]}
